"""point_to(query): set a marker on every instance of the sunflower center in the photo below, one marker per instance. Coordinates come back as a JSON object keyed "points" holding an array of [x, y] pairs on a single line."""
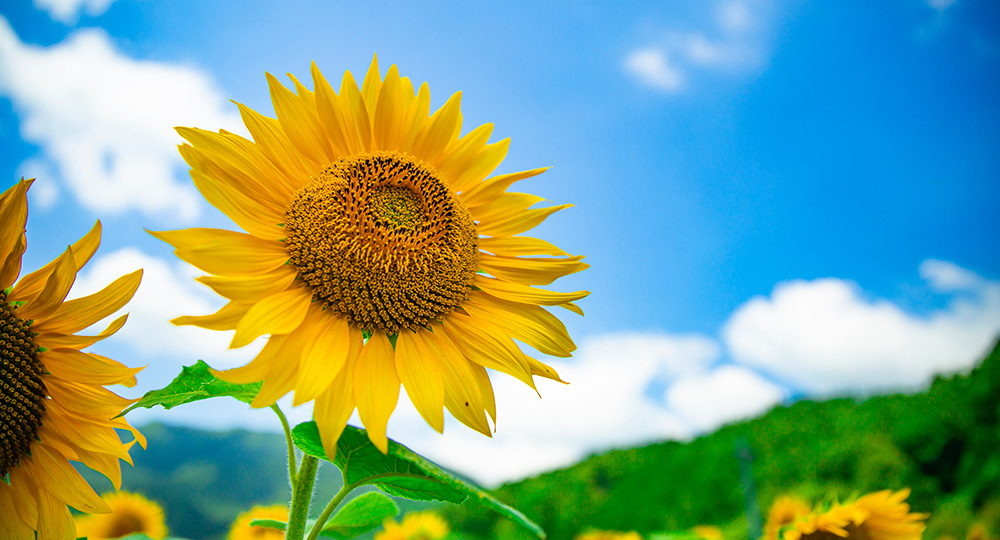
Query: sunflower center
{"points": [[381, 240], [22, 393], [126, 523]]}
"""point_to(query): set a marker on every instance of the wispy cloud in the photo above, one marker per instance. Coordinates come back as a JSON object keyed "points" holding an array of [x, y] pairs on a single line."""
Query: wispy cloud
{"points": [[104, 122], [736, 42], [67, 11]]}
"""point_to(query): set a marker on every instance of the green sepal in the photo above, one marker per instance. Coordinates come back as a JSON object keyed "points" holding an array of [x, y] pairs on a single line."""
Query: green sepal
{"points": [[401, 472], [268, 524], [195, 383], [360, 515]]}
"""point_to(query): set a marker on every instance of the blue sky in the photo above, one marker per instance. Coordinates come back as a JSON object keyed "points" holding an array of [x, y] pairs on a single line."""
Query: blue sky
{"points": [[777, 198]]}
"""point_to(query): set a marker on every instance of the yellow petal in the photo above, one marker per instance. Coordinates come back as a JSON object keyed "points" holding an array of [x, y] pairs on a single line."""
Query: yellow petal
{"points": [[88, 368], [282, 375], [13, 214], [491, 188], [64, 341], [420, 372], [530, 271], [58, 475], [301, 127], [513, 246], [372, 84], [416, 118], [225, 319], [226, 253], [505, 207], [334, 406], [54, 519], [277, 314], [324, 355], [376, 388], [259, 367], [525, 294], [485, 390], [244, 211], [56, 288], [463, 153], [11, 267], [353, 103], [389, 112], [487, 345], [462, 397], [440, 131], [273, 143], [251, 288], [518, 223], [75, 315], [30, 285], [485, 163], [531, 324], [338, 125]]}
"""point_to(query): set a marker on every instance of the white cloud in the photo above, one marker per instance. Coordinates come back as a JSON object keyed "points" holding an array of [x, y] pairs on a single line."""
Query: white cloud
{"points": [[941, 5], [728, 394], [66, 11], [825, 336], [104, 121], [737, 44], [652, 68], [44, 190]]}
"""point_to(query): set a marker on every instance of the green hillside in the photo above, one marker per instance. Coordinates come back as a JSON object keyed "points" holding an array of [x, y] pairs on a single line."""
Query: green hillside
{"points": [[944, 444]]}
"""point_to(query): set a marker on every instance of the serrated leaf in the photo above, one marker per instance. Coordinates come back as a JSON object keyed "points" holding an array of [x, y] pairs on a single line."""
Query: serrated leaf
{"points": [[268, 524], [195, 383], [402, 472], [360, 515]]}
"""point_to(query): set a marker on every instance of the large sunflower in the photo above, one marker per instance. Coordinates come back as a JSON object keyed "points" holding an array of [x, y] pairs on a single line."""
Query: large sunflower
{"points": [[377, 252], [55, 407], [414, 526], [882, 515], [131, 513], [784, 511]]}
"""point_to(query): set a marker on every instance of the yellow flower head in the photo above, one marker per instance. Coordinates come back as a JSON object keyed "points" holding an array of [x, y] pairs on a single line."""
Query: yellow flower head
{"points": [[56, 408], [707, 532], [877, 516], [415, 526], [376, 253], [784, 511], [609, 535], [241, 529], [131, 513]]}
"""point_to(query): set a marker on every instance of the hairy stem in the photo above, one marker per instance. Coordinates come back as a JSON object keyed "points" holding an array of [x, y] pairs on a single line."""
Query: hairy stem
{"points": [[301, 497], [292, 467]]}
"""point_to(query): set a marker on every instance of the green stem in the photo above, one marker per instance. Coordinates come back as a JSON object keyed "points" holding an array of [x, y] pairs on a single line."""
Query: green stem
{"points": [[292, 467], [333, 504], [301, 497]]}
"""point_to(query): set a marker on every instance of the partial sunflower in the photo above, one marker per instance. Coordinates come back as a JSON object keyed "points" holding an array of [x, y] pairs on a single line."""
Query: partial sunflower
{"points": [[131, 513], [414, 526], [876, 516], [609, 535], [242, 530], [55, 408], [377, 252], [784, 511], [707, 532]]}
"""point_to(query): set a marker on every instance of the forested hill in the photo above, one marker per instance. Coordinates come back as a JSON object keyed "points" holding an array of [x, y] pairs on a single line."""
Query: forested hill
{"points": [[943, 443]]}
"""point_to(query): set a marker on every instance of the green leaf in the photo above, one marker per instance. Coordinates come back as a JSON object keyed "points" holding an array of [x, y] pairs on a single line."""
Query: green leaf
{"points": [[195, 383], [402, 472], [360, 515], [268, 524]]}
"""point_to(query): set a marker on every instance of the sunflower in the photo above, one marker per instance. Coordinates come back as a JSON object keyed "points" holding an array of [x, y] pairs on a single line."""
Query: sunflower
{"points": [[131, 513], [415, 526], [242, 530], [55, 407], [784, 510], [877, 516], [707, 532], [609, 535], [376, 253]]}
